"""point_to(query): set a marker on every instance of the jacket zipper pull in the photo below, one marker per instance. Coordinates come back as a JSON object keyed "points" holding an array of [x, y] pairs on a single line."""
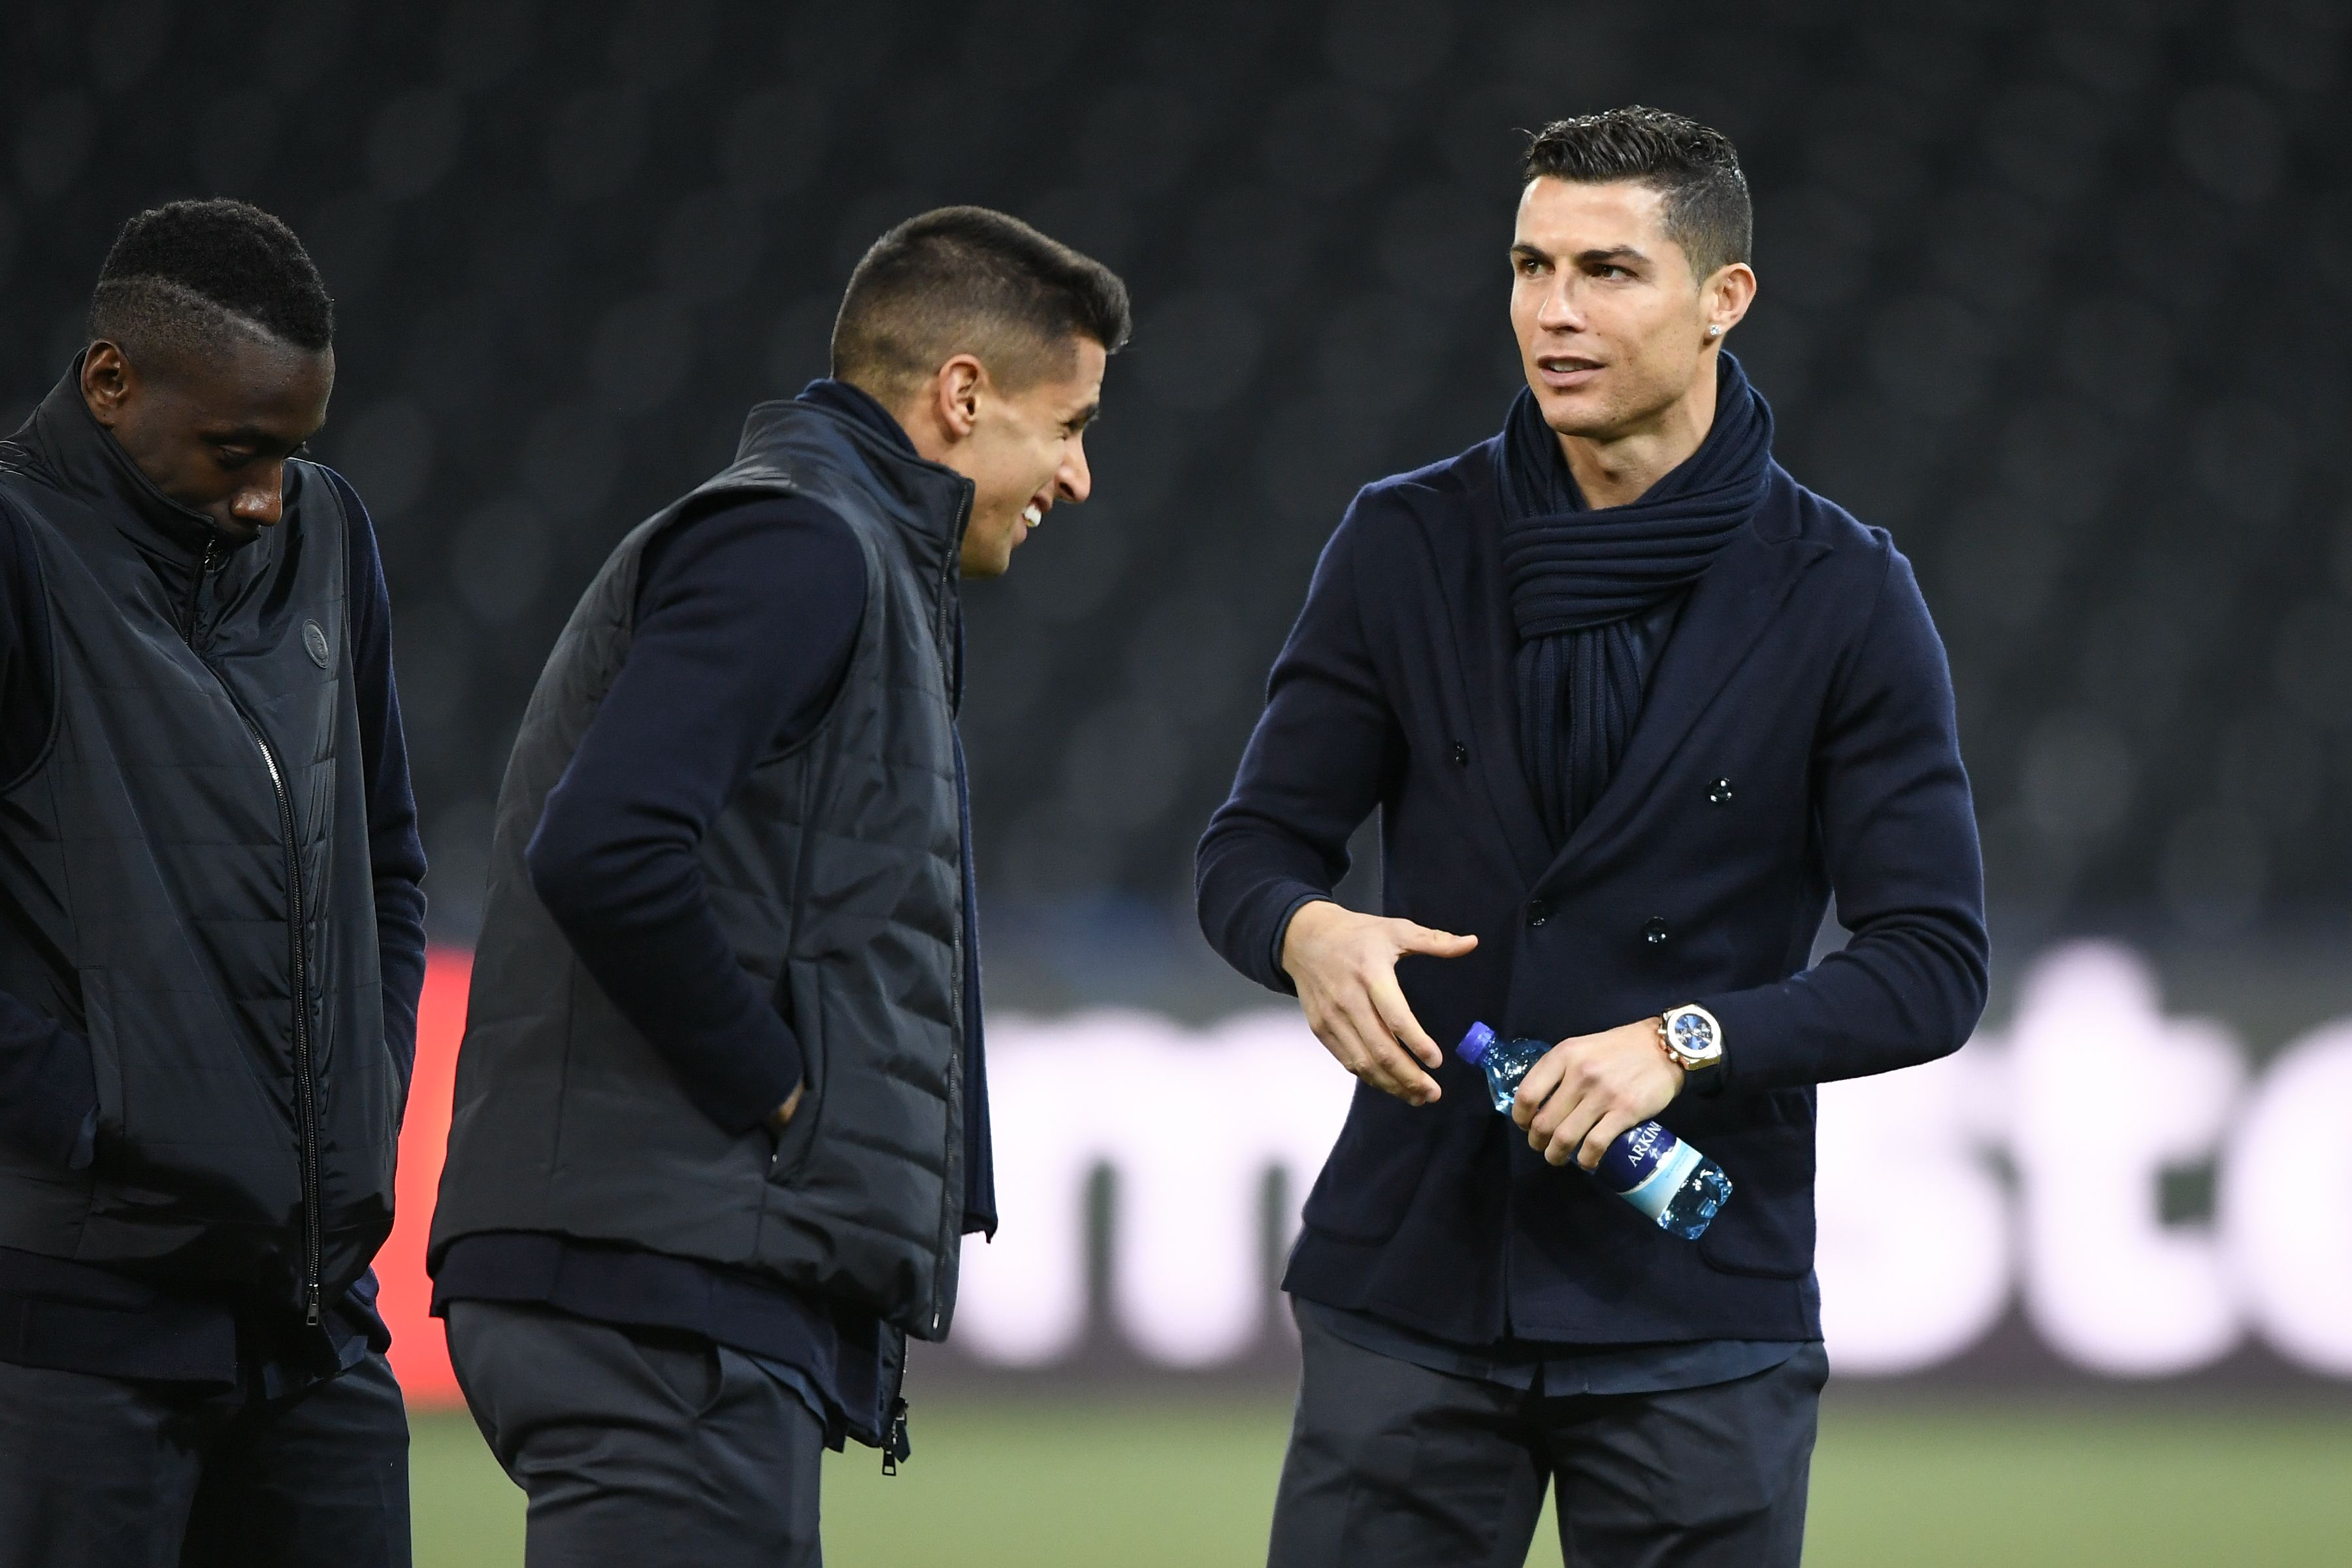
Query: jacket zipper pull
{"points": [[196, 590], [312, 1314], [895, 1446]]}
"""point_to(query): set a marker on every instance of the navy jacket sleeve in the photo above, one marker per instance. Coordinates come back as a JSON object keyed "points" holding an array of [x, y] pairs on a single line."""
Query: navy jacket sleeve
{"points": [[395, 846], [1900, 836], [746, 619], [48, 1095], [1318, 764]]}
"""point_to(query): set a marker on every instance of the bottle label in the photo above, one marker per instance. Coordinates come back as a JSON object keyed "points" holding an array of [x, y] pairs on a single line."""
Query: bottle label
{"points": [[1647, 1167]]}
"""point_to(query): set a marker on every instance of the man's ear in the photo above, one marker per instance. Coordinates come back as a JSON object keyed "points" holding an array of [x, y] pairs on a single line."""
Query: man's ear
{"points": [[1727, 295], [107, 383], [956, 391], [940, 413]]}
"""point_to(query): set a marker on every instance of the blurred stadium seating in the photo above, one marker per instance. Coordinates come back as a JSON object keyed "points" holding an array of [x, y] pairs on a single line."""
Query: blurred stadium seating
{"points": [[2054, 290]]}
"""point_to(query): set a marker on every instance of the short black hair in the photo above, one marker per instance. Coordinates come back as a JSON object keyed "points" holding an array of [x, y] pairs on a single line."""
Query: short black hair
{"points": [[184, 276], [968, 279], [1694, 168]]}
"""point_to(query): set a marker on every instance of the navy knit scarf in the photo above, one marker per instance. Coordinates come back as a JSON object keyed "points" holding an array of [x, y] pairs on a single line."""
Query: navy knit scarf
{"points": [[1579, 579]]}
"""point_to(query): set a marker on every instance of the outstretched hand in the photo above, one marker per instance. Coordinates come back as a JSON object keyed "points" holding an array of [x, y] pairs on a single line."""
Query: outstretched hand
{"points": [[1586, 1092], [1344, 964]]}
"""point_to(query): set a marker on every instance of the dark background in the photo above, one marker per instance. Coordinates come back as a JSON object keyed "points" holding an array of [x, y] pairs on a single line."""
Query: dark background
{"points": [[2056, 292]]}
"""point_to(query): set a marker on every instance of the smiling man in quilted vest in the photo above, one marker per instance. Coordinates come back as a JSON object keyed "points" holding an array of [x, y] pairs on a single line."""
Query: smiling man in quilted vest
{"points": [[1632, 704], [721, 1119], [210, 934]]}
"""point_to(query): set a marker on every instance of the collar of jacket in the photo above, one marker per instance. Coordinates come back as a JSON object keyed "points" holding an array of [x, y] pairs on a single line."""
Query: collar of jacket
{"points": [[1726, 613], [933, 502], [853, 401], [80, 457]]}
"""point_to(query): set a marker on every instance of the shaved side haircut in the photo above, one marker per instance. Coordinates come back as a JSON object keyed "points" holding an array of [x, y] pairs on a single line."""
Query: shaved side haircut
{"points": [[970, 281], [1695, 169], [187, 279]]}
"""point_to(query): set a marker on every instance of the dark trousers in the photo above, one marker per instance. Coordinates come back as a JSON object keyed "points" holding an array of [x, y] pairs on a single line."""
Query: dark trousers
{"points": [[1391, 1464], [638, 1446], [100, 1472]]}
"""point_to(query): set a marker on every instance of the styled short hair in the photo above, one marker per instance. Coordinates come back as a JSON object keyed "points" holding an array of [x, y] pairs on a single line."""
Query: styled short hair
{"points": [[971, 280], [1695, 169], [187, 278]]}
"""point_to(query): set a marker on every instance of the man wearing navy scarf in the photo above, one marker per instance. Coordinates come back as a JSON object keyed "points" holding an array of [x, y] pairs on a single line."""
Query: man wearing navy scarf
{"points": [[1633, 705]]}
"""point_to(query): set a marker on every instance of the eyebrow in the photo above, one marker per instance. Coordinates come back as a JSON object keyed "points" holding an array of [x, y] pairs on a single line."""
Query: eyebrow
{"points": [[1603, 256]]}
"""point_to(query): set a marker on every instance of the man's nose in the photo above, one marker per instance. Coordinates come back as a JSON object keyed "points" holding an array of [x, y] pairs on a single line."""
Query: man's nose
{"points": [[1077, 481], [263, 503], [1558, 310]]}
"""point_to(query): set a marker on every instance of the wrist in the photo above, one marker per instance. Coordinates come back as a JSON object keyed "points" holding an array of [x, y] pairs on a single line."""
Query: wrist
{"points": [[1300, 926]]}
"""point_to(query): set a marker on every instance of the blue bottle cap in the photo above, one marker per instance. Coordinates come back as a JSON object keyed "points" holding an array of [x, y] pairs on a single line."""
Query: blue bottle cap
{"points": [[1476, 1044]]}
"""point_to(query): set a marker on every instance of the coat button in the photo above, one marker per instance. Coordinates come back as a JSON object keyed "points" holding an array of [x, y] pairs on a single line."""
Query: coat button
{"points": [[1656, 931], [1719, 792], [1461, 756], [1538, 912]]}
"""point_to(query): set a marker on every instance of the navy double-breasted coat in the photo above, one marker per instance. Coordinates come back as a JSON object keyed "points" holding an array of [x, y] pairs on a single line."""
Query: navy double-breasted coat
{"points": [[1797, 740]]}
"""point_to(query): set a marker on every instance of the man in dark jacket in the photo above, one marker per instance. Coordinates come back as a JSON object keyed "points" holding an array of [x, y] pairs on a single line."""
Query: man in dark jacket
{"points": [[210, 934], [720, 1117], [1632, 704]]}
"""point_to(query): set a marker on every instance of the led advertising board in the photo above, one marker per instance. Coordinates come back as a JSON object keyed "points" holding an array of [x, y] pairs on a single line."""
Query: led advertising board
{"points": [[2027, 1171]]}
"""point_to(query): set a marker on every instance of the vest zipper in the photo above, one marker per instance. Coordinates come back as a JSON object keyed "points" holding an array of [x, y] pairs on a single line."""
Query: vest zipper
{"points": [[951, 673], [895, 1446], [306, 1082], [948, 670], [306, 1087]]}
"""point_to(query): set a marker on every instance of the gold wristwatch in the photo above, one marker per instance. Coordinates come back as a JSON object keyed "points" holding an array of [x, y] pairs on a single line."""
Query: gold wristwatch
{"points": [[1691, 1036]]}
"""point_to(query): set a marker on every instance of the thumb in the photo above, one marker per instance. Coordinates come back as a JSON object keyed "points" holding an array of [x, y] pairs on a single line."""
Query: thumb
{"points": [[1438, 943]]}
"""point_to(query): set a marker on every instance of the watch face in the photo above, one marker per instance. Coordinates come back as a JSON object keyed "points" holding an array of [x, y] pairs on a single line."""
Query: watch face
{"points": [[1693, 1033]]}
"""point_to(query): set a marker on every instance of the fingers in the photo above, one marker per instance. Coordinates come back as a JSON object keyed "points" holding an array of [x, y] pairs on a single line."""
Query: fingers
{"points": [[1412, 938], [1395, 1014], [1605, 1131], [1388, 1066], [1338, 1033], [1569, 1131], [1360, 1042], [1542, 1080], [1582, 1118], [1560, 1101]]}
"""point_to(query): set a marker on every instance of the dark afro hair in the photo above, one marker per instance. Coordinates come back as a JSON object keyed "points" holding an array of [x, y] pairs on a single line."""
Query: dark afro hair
{"points": [[970, 281], [1695, 169], [184, 276]]}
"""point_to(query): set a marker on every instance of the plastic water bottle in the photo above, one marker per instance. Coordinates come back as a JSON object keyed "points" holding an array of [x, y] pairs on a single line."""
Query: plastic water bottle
{"points": [[1649, 1167]]}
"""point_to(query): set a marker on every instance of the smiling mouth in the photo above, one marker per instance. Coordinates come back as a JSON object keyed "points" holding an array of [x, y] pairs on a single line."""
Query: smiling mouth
{"points": [[1566, 370], [1033, 514]]}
